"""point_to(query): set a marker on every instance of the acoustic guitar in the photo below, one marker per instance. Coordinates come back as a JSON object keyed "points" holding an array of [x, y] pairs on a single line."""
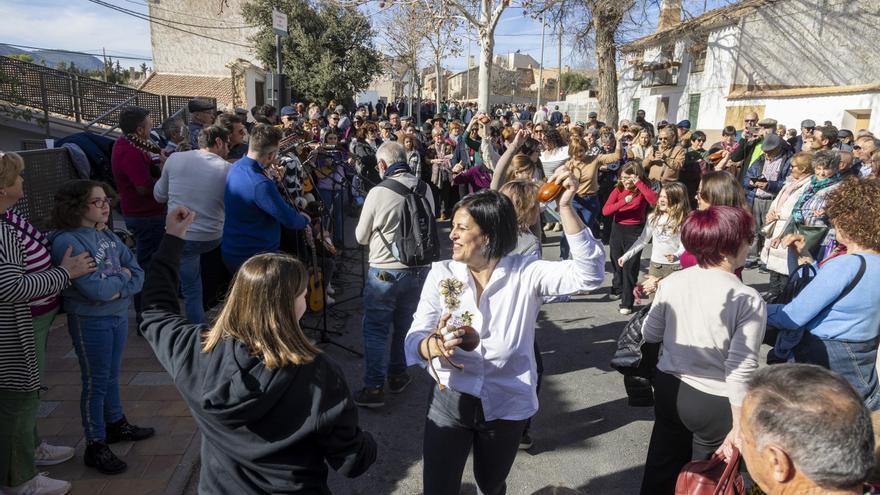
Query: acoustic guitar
{"points": [[315, 289]]}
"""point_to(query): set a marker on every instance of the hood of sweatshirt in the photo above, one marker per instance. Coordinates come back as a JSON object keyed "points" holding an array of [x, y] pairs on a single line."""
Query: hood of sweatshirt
{"points": [[237, 389]]}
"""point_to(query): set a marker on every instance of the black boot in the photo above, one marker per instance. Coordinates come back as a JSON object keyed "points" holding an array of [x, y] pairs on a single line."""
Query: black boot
{"points": [[99, 456], [123, 430]]}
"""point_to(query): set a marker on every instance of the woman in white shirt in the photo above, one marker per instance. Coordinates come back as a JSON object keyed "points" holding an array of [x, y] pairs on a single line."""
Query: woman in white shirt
{"points": [[711, 326], [484, 397]]}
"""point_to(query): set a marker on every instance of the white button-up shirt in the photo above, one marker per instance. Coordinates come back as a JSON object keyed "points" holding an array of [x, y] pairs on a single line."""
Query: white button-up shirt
{"points": [[501, 371]]}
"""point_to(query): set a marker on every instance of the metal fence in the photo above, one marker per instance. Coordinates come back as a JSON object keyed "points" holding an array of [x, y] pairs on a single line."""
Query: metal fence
{"points": [[45, 171], [87, 101]]}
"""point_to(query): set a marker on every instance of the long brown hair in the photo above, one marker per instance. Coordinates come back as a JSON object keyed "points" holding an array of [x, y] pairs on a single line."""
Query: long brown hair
{"points": [[520, 164], [260, 312], [523, 193], [677, 209], [720, 188]]}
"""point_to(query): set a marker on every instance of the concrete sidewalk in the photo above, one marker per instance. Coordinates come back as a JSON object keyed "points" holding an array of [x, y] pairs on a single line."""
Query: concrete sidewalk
{"points": [[158, 465]]}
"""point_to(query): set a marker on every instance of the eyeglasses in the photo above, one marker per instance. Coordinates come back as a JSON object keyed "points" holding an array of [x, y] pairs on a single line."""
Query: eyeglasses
{"points": [[663, 139], [750, 120], [101, 202]]}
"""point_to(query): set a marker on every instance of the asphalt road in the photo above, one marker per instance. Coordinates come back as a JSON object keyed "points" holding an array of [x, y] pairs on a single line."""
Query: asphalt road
{"points": [[585, 435]]}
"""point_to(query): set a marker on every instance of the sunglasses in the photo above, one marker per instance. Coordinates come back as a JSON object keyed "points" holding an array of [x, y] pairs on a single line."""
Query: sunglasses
{"points": [[750, 120]]}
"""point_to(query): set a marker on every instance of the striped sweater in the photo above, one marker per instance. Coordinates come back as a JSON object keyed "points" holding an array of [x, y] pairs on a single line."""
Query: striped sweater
{"points": [[36, 258], [18, 358]]}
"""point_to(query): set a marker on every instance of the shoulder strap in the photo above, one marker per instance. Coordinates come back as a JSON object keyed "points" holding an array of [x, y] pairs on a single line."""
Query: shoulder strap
{"points": [[395, 186], [853, 283]]}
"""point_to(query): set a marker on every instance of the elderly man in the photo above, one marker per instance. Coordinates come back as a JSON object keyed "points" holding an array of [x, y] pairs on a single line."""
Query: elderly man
{"points": [[864, 148], [803, 140], [805, 430], [751, 141], [664, 162], [201, 114]]}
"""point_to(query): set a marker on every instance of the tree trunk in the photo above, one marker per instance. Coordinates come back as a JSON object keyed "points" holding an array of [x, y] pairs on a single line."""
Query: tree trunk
{"points": [[606, 53], [487, 52], [439, 84]]}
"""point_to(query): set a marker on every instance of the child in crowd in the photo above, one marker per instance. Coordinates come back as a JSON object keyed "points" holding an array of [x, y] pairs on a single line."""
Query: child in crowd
{"points": [[664, 228], [97, 315], [523, 193], [628, 207]]}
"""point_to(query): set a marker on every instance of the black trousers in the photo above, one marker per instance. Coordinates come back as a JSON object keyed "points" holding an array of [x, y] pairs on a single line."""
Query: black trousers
{"points": [[455, 423], [688, 425], [625, 278]]}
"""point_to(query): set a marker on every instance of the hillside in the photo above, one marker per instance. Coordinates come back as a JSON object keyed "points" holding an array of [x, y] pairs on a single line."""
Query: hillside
{"points": [[53, 58]]}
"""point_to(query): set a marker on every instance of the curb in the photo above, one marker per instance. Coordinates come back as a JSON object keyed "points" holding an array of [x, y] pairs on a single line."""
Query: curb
{"points": [[188, 466]]}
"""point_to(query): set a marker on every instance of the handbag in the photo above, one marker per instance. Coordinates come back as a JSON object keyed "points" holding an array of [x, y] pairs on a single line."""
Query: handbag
{"points": [[767, 229], [813, 234], [711, 477], [636, 360]]}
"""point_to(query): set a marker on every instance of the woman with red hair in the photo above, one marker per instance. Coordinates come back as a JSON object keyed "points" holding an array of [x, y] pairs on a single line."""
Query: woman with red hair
{"points": [[711, 326]]}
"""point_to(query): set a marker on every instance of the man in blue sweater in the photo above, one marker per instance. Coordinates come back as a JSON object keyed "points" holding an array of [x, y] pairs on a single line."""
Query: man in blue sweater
{"points": [[255, 210]]}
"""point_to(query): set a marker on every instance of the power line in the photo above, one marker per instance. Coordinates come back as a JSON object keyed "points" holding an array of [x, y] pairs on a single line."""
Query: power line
{"points": [[57, 50], [142, 4], [169, 26], [149, 17]]}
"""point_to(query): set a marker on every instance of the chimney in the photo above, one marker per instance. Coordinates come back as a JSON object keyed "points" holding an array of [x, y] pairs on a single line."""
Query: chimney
{"points": [[670, 14]]}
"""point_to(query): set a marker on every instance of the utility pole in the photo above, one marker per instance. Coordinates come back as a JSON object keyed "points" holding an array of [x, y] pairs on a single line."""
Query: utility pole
{"points": [[104, 51], [559, 61], [541, 70]]}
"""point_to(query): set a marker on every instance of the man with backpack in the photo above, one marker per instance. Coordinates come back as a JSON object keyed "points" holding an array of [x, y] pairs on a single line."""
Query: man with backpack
{"points": [[397, 222]]}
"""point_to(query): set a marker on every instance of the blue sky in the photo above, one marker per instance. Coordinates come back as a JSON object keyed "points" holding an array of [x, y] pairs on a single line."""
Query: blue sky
{"points": [[83, 26]]}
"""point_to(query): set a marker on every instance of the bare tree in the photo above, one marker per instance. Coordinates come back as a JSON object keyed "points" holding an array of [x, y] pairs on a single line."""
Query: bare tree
{"points": [[404, 36], [441, 40]]}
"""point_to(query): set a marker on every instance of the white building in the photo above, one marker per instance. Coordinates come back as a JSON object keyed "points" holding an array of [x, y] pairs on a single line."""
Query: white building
{"points": [[216, 59], [786, 59]]}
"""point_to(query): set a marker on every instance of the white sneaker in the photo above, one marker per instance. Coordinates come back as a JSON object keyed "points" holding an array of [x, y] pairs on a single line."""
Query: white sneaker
{"points": [[625, 311], [49, 455], [41, 484], [330, 290]]}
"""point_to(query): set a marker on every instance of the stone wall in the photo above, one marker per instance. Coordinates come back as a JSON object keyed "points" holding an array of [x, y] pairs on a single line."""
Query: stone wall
{"points": [[177, 52]]}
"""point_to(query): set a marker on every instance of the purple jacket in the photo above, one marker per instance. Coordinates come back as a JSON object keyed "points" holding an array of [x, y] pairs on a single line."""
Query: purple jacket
{"points": [[477, 178]]}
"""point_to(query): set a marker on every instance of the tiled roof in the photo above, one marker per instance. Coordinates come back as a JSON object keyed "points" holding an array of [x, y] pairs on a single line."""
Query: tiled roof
{"points": [[219, 88], [712, 18]]}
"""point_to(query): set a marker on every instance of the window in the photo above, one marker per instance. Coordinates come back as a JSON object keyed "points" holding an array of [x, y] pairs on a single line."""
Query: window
{"points": [[694, 109], [259, 93], [635, 108], [698, 60]]}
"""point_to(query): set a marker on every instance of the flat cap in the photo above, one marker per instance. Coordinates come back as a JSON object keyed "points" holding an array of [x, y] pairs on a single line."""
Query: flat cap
{"points": [[200, 105], [809, 124], [592, 115], [771, 142], [767, 122], [684, 124]]}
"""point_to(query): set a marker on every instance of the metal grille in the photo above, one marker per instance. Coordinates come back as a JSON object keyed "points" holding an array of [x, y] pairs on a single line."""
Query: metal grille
{"points": [[45, 171]]}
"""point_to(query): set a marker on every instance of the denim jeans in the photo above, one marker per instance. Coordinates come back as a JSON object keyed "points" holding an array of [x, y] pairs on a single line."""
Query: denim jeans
{"points": [[390, 298], [147, 232], [333, 210], [855, 361], [191, 278], [456, 425], [588, 209], [99, 342]]}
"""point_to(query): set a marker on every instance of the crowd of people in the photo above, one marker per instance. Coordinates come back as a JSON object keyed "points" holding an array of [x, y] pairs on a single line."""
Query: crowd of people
{"points": [[231, 211]]}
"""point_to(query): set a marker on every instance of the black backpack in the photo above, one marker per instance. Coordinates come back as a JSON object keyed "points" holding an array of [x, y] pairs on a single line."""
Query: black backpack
{"points": [[416, 242]]}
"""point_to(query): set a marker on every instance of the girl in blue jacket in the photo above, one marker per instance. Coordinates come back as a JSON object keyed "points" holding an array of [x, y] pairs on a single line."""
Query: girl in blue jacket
{"points": [[97, 314]]}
